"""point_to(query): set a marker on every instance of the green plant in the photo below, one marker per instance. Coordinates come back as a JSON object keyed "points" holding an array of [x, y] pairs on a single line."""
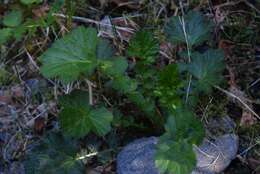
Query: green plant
{"points": [[28, 2], [204, 70], [159, 92], [175, 152], [13, 18], [16, 25], [191, 29], [71, 56], [54, 154], [11, 21], [144, 46], [85, 118]]}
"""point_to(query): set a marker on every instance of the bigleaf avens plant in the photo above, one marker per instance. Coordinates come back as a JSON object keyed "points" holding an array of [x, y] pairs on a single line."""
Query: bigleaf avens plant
{"points": [[81, 54]]}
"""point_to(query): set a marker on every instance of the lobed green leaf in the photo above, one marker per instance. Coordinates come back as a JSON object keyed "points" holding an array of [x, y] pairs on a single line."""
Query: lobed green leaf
{"points": [[13, 18], [207, 68], [192, 28], [28, 2], [183, 124], [175, 157], [5, 35], [78, 118], [71, 56], [114, 67]]}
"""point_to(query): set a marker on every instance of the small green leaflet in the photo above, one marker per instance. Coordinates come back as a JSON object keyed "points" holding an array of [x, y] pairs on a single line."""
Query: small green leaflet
{"points": [[144, 46], [78, 118], [183, 124], [168, 85], [124, 84], [27, 2], [4, 75], [13, 18], [207, 68], [54, 155], [5, 34], [174, 150], [146, 105], [169, 76], [100, 119], [114, 67], [104, 50], [73, 55], [197, 29], [175, 157]]}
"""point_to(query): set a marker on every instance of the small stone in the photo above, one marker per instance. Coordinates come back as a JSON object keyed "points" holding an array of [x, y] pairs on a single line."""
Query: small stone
{"points": [[197, 171], [215, 156], [138, 157], [212, 156]]}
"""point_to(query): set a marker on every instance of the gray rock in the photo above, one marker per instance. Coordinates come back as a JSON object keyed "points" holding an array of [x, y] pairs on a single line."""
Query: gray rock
{"points": [[212, 156], [215, 156], [138, 157], [197, 171], [217, 126]]}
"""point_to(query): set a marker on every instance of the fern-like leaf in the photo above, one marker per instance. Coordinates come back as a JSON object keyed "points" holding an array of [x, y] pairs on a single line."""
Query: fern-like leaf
{"points": [[168, 85], [144, 46]]}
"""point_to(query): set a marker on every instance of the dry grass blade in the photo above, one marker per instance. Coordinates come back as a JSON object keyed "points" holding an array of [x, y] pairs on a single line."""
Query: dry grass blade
{"points": [[239, 99], [87, 20]]}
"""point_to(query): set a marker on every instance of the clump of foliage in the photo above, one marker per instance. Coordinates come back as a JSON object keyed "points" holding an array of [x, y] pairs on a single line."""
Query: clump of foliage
{"points": [[11, 21], [84, 117], [16, 24], [29, 2], [54, 154], [82, 55], [182, 129]]}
